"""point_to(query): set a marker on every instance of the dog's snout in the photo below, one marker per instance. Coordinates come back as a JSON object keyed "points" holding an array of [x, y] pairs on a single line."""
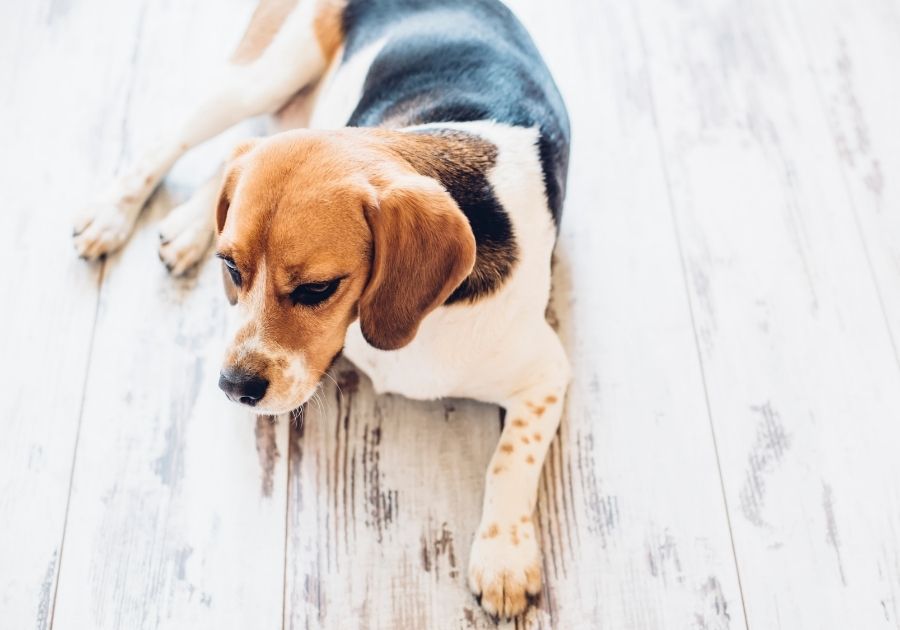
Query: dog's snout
{"points": [[242, 387]]}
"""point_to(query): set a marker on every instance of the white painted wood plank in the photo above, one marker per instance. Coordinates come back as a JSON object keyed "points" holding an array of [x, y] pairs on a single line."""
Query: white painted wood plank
{"points": [[803, 383], [851, 49], [633, 526], [638, 534], [177, 509], [385, 495], [60, 110]]}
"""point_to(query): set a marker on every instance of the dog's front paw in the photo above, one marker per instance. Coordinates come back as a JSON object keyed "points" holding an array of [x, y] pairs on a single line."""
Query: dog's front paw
{"points": [[505, 567], [104, 226], [184, 237]]}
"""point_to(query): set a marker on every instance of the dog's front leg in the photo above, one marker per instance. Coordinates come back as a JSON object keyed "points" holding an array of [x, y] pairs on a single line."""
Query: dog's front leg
{"points": [[505, 563], [296, 56], [186, 233]]}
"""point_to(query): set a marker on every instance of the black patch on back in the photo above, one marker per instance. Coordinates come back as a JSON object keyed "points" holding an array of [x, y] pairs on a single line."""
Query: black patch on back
{"points": [[461, 61]]}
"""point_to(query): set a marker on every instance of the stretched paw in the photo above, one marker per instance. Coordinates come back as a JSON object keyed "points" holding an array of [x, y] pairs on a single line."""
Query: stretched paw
{"points": [[184, 236], [103, 227], [505, 567]]}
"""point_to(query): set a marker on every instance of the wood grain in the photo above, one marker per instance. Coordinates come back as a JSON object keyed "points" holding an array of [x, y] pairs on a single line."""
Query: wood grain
{"points": [[727, 285], [50, 157], [803, 382]]}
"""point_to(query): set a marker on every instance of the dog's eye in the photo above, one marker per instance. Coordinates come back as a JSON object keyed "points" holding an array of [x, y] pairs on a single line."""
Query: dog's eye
{"points": [[232, 270], [314, 293]]}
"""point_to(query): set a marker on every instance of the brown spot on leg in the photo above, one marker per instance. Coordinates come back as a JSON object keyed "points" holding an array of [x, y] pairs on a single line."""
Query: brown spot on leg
{"points": [[525, 440], [514, 535], [536, 409], [491, 531], [550, 399], [525, 518], [506, 448], [498, 469], [530, 459], [519, 423], [537, 437]]}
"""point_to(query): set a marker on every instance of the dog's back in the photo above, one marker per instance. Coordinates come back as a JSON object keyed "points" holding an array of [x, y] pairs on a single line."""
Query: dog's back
{"points": [[457, 61]]}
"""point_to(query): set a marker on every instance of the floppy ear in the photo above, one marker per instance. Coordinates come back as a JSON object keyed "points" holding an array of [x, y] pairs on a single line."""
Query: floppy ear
{"points": [[229, 180], [424, 248]]}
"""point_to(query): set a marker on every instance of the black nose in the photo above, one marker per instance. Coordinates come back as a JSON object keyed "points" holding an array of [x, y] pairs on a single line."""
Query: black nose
{"points": [[242, 387]]}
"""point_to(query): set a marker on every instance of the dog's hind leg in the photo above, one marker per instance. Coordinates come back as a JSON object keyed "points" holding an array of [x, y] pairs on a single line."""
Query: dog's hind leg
{"points": [[286, 47], [505, 562]]}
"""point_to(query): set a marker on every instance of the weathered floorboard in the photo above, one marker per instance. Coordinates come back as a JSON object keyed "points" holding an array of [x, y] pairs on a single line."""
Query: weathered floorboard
{"points": [[385, 493], [803, 381], [727, 285], [50, 157], [176, 517]]}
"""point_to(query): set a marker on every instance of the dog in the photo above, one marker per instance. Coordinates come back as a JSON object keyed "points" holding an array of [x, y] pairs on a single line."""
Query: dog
{"points": [[405, 216]]}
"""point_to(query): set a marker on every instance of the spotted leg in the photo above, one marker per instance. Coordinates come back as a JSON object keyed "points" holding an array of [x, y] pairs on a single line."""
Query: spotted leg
{"points": [[505, 563]]}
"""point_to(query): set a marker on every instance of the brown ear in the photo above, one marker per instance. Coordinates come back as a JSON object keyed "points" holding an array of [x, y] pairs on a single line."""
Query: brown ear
{"points": [[424, 248], [229, 180]]}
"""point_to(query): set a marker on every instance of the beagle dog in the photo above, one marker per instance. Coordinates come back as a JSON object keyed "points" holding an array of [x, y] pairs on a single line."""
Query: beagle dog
{"points": [[406, 217]]}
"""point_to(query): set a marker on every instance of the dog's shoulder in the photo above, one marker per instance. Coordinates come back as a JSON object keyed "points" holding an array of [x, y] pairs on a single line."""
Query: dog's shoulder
{"points": [[469, 60]]}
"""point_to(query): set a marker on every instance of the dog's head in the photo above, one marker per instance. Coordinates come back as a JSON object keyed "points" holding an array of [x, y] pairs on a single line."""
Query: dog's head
{"points": [[316, 229]]}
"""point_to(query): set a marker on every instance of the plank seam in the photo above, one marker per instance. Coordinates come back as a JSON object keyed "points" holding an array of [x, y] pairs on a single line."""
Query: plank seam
{"points": [[90, 356], [84, 383], [684, 274], [287, 508], [851, 200]]}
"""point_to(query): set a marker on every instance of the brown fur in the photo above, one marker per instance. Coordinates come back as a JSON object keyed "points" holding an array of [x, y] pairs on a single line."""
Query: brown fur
{"points": [[314, 206], [327, 25], [424, 249], [270, 15], [455, 159], [264, 25], [492, 531], [231, 292]]}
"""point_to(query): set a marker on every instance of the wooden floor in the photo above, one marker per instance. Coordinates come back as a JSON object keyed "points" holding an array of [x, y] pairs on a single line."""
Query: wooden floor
{"points": [[727, 285]]}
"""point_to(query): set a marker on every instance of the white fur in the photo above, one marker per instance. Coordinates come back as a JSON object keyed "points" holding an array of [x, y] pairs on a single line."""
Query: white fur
{"points": [[186, 233], [292, 60], [248, 314], [447, 356], [342, 87], [498, 349]]}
